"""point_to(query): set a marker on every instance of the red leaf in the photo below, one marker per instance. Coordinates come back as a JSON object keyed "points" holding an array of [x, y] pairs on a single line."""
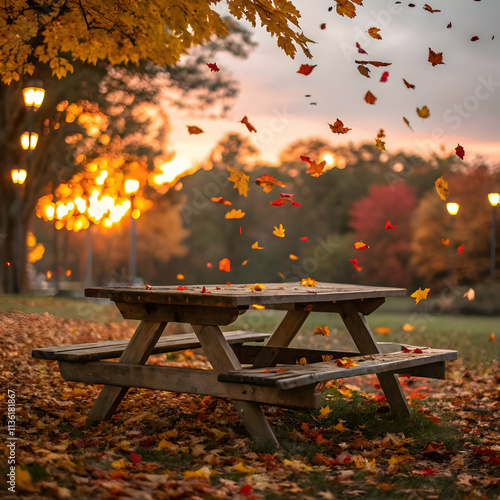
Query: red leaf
{"points": [[296, 204], [304, 238], [249, 126], [354, 262], [279, 202], [460, 249], [388, 225], [430, 472], [360, 50], [209, 265], [406, 350], [135, 458], [384, 76], [246, 490], [286, 195], [409, 85], [449, 25], [306, 69], [213, 67], [181, 287], [417, 351], [322, 26], [370, 98], [474, 38], [435, 58], [203, 290], [225, 265], [460, 152]]}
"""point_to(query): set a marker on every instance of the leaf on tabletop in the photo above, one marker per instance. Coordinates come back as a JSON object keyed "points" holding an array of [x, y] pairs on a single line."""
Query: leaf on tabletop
{"points": [[181, 287], [240, 180], [257, 287], [435, 58], [460, 152], [442, 188], [221, 200], [364, 70], [302, 361], [248, 125], [338, 127], [213, 67], [308, 282], [423, 112], [370, 98], [306, 69], [279, 231], [374, 33], [234, 214], [225, 265], [194, 130], [420, 294], [268, 182]]}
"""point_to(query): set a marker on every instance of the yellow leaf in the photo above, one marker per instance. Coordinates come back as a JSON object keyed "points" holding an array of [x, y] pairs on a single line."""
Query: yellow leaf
{"points": [[241, 467], [234, 214], [442, 188], [324, 411], [258, 306], [279, 231], [344, 391], [380, 144], [244, 263], [203, 473], [23, 480], [119, 464], [255, 246], [374, 33], [423, 112], [308, 282], [302, 361], [240, 180], [340, 427], [420, 294], [257, 287]]}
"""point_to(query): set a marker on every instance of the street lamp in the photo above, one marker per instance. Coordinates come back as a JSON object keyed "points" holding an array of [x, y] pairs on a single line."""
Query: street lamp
{"points": [[453, 209], [18, 177], [131, 187], [494, 199]]}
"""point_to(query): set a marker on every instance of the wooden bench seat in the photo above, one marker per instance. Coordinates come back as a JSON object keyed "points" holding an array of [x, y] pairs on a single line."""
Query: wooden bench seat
{"points": [[114, 348], [429, 363]]}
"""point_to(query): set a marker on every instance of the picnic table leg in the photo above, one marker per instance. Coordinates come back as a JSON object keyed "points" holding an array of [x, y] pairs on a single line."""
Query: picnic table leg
{"points": [[222, 358], [137, 352], [365, 342], [283, 335]]}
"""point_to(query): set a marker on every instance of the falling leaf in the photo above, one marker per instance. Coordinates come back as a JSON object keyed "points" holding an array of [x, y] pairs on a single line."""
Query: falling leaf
{"points": [[364, 70], [306, 69], [460, 152], [475, 38], [492, 337], [225, 265], [420, 294], [308, 282], [258, 306], [209, 265], [248, 125], [194, 130], [293, 257], [361, 50], [324, 412], [359, 245], [315, 169], [268, 182], [383, 330], [384, 77], [240, 180], [388, 225], [304, 238], [380, 144], [460, 249], [347, 7], [234, 214], [213, 67], [338, 127], [180, 276], [255, 246], [435, 58], [423, 112], [257, 287], [322, 26], [374, 33], [407, 327], [449, 25], [322, 330], [221, 200], [279, 231], [445, 242], [407, 122], [470, 294], [377, 64], [181, 287], [370, 98], [354, 262], [408, 85], [442, 188], [428, 8]]}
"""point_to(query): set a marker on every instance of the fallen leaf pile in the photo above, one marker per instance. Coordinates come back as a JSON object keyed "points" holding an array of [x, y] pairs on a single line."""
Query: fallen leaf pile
{"points": [[161, 445]]}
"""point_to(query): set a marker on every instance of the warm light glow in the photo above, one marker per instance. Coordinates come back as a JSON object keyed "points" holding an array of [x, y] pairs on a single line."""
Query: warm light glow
{"points": [[18, 176], [49, 275], [68, 272], [171, 170], [33, 94], [50, 211], [494, 199], [131, 186], [101, 178], [452, 208], [81, 205], [29, 141], [329, 158], [61, 211], [136, 213]]}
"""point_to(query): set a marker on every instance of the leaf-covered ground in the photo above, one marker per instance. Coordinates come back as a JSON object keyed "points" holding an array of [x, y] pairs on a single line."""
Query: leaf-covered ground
{"points": [[165, 445]]}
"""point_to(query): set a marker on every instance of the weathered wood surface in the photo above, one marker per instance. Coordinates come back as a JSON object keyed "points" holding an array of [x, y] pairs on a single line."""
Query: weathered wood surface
{"points": [[114, 348], [193, 381], [292, 376], [242, 295]]}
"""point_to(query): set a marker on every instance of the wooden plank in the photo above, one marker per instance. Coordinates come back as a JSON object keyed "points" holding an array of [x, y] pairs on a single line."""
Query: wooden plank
{"points": [[288, 377], [360, 332], [283, 335], [222, 358], [185, 380], [201, 315], [287, 355], [114, 348], [242, 295], [137, 351]]}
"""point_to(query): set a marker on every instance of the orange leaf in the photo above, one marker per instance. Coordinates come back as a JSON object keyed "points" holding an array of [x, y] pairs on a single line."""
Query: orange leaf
{"points": [[221, 200], [407, 327], [194, 130], [442, 189], [249, 126], [407, 122], [302, 361], [445, 242], [315, 169], [420, 294], [308, 282], [428, 8], [338, 127], [322, 330], [382, 329], [347, 7], [234, 214], [257, 287], [374, 33], [409, 85], [240, 180], [180, 276], [423, 112], [435, 58], [181, 287], [225, 265], [293, 257], [377, 64], [492, 337], [268, 182], [279, 231], [380, 144], [255, 246], [370, 98], [359, 245]]}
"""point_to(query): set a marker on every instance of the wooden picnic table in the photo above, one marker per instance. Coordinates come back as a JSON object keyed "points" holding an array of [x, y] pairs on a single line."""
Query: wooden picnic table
{"points": [[251, 375]]}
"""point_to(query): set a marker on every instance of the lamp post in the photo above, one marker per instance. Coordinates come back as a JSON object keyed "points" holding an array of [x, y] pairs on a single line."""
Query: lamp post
{"points": [[131, 187], [453, 209], [33, 95], [18, 177], [494, 199]]}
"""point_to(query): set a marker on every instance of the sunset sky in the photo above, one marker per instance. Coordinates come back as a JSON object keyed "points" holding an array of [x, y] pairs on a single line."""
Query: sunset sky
{"points": [[463, 95]]}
